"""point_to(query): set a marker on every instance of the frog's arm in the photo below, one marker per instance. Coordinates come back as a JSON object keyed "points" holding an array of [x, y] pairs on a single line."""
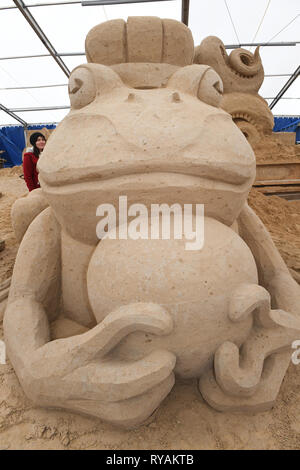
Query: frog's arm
{"points": [[77, 372], [37, 270], [272, 270], [25, 209], [23, 212]]}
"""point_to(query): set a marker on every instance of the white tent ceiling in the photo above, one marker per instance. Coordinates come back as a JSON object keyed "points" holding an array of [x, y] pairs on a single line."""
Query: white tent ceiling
{"points": [[233, 21]]}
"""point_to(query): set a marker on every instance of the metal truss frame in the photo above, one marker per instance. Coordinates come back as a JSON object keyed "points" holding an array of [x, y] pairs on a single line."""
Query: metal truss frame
{"points": [[185, 4]]}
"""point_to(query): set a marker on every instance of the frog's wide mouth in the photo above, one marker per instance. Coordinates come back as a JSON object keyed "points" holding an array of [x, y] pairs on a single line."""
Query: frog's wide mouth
{"points": [[223, 172]]}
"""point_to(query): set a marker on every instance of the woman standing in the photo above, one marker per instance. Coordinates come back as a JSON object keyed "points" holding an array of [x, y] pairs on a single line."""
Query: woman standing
{"points": [[30, 160]]}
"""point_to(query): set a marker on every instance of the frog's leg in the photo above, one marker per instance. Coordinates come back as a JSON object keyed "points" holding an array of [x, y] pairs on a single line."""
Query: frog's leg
{"points": [[25, 209], [78, 373], [250, 379]]}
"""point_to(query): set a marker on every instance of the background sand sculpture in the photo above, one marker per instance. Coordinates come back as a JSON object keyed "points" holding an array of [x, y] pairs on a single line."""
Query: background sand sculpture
{"points": [[242, 74]]}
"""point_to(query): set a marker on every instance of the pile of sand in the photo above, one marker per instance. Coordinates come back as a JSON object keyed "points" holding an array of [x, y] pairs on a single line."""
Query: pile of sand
{"points": [[282, 219], [12, 187], [15, 170], [269, 150], [184, 420]]}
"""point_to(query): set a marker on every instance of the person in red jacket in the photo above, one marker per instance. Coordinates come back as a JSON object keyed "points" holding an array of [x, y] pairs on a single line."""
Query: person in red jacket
{"points": [[30, 160]]}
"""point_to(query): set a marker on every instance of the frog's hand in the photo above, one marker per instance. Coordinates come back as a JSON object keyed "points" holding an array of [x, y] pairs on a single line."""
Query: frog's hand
{"points": [[76, 373], [95, 344], [128, 413], [249, 377], [24, 211], [273, 272]]}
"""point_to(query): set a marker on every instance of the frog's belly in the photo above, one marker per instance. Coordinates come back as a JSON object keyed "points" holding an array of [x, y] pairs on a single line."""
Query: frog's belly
{"points": [[194, 287]]}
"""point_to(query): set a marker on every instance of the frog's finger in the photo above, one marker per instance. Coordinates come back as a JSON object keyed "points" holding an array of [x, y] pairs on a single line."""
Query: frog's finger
{"points": [[78, 351], [151, 318], [126, 413], [251, 299], [239, 373], [114, 380], [147, 317]]}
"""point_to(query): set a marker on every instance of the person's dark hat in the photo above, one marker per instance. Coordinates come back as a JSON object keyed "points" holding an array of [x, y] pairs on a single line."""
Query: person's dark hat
{"points": [[34, 137]]}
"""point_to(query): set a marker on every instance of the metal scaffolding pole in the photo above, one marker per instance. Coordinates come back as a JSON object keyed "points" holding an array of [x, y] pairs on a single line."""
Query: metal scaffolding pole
{"points": [[185, 7], [91, 3], [75, 54], [35, 56], [41, 108], [13, 115], [291, 80], [50, 4], [32, 87], [262, 44], [40, 33]]}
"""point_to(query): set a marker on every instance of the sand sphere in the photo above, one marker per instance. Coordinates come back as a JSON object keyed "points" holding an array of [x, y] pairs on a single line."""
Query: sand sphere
{"points": [[194, 286]]}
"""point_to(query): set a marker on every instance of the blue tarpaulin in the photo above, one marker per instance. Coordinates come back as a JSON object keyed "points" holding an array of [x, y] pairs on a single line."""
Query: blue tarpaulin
{"points": [[12, 141], [48, 126], [288, 124]]}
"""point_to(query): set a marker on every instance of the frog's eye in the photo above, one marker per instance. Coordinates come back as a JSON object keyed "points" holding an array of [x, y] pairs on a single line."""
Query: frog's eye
{"points": [[82, 87], [211, 88], [89, 81], [200, 81]]}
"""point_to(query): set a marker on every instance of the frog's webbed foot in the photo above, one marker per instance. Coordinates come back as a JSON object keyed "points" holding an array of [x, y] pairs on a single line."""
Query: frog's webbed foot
{"points": [[249, 378], [25, 209], [80, 374]]}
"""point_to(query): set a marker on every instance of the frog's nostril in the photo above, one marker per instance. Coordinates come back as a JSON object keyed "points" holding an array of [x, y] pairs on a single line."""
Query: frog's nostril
{"points": [[176, 97], [131, 97], [78, 84], [218, 87]]}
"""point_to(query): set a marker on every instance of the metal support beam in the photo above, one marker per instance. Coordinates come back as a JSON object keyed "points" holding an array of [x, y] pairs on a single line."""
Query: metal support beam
{"points": [[40, 33], [282, 98], [50, 4], [185, 7], [42, 108], [58, 54], [74, 54], [262, 44], [291, 80], [32, 87], [13, 115]]}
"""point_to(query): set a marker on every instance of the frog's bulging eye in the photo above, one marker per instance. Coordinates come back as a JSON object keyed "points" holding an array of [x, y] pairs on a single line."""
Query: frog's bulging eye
{"points": [[211, 88], [82, 88], [200, 81]]}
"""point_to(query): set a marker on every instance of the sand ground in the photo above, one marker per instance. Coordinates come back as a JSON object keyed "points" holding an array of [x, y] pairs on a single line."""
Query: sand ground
{"points": [[184, 420]]}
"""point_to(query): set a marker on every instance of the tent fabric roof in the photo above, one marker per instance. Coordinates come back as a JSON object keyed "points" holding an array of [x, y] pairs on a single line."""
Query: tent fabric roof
{"points": [[66, 26]]}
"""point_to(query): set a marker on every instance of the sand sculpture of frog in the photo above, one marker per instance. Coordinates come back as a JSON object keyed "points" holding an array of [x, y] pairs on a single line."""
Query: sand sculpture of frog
{"points": [[104, 327]]}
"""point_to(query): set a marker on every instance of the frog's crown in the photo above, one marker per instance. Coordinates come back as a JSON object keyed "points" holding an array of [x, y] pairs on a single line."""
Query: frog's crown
{"points": [[142, 39]]}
